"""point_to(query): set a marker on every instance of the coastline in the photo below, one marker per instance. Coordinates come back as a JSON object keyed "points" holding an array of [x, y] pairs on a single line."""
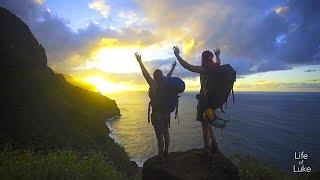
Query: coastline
{"points": [[113, 136], [111, 129]]}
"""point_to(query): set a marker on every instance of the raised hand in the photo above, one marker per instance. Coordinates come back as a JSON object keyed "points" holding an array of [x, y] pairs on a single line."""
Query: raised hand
{"points": [[185, 64], [138, 56], [176, 50], [217, 52], [172, 69], [145, 72]]}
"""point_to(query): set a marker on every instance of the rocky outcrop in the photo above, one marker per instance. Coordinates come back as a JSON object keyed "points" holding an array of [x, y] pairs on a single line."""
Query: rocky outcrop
{"points": [[192, 164]]}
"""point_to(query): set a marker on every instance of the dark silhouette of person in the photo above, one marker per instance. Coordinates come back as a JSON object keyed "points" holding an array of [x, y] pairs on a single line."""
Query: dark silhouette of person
{"points": [[208, 135], [160, 116]]}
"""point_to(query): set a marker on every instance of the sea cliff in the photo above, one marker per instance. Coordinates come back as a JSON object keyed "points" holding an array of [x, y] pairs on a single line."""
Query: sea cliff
{"points": [[42, 115]]}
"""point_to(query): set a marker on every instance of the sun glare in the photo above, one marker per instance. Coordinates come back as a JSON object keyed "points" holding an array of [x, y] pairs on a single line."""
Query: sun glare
{"points": [[104, 86], [122, 60], [117, 60], [112, 57]]}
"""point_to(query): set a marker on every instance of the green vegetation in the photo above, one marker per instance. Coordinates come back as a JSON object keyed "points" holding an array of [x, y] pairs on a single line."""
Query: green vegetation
{"points": [[52, 115], [251, 169], [66, 164]]}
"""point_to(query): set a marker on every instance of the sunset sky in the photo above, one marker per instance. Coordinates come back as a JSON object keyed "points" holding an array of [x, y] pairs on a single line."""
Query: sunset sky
{"points": [[274, 45]]}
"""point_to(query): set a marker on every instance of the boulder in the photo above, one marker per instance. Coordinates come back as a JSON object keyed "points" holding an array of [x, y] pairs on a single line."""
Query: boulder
{"points": [[192, 164]]}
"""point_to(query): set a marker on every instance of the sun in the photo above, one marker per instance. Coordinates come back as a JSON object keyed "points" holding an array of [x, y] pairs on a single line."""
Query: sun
{"points": [[105, 87]]}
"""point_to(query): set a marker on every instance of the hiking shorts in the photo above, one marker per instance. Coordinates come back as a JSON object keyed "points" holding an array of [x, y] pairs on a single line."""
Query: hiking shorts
{"points": [[160, 122]]}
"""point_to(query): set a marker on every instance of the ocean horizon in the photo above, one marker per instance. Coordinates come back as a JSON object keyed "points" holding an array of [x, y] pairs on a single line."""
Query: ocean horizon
{"points": [[270, 126]]}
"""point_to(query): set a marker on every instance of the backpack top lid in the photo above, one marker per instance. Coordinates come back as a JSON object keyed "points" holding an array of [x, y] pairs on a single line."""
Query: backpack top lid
{"points": [[220, 76], [170, 86], [175, 84]]}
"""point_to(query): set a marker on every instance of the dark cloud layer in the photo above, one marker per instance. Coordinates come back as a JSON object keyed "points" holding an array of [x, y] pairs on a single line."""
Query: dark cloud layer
{"points": [[255, 36], [275, 41]]}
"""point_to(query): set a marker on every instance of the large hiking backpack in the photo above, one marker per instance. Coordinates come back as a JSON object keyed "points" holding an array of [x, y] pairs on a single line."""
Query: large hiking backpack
{"points": [[167, 96], [219, 85]]}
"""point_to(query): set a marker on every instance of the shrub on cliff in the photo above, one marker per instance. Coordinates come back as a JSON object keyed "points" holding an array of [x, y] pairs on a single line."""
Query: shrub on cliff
{"points": [[63, 164]]}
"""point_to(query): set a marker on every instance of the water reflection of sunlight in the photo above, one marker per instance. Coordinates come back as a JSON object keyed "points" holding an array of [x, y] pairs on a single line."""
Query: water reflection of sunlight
{"points": [[132, 128]]}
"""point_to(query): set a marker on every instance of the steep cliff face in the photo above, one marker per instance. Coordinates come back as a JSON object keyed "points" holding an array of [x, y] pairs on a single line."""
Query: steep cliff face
{"points": [[39, 107], [18, 47], [192, 164]]}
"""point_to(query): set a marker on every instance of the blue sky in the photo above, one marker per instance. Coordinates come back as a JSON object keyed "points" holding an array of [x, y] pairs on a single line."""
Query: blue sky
{"points": [[76, 12], [79, 15], [273, 44]]}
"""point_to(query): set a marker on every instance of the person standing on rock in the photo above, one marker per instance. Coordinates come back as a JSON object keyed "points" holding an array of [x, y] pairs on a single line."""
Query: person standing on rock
{"points": [[160, 116], [206, 62]]}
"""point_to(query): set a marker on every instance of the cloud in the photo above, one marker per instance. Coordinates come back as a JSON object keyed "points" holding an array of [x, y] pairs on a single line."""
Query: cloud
{"points": [[310, 70], [254, 36], [39, 1], [131, 19], [264, 85], [65, 48], [255, 41], [100, 6], [315, 80], [281, 9]]}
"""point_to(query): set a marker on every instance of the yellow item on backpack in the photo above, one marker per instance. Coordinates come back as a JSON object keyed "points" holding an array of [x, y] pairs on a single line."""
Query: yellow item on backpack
{"points": [[208, 114]]}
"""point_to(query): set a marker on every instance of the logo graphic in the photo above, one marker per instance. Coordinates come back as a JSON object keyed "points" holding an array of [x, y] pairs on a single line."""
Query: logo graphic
{"points": [[301, 157]]}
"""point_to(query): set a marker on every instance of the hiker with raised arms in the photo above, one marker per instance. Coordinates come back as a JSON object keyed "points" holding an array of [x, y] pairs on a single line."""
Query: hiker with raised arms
{"points": [[206, 62], [163, 100]]}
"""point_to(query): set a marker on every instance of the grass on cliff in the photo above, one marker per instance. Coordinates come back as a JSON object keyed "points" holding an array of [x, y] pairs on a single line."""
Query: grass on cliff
{"points": [[62, 164], [252, 169]]}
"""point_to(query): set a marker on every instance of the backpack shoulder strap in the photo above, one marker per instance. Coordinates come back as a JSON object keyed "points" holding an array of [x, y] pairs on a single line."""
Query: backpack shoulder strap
{"points": [[177, 111], [232, 95], [149, 110]]}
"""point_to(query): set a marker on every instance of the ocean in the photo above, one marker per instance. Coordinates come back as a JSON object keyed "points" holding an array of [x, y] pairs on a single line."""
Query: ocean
{"points": [[271, 126]]}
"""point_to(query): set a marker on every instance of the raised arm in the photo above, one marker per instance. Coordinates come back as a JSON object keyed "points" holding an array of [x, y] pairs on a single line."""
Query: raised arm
{"points": [[145, 73], [185, 64], [217, 53], [172, 68]]}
